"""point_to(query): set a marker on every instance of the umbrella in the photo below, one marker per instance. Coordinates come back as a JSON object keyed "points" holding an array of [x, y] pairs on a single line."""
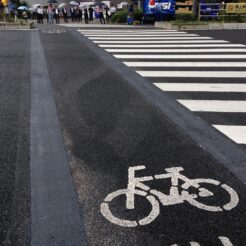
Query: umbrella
{"points": [[22, 8], [74, 3], [52, 1], [36, 5], [99, 4], [61, 5]]}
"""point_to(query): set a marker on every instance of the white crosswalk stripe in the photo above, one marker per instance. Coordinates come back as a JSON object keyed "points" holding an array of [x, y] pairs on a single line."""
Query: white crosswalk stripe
{"points": [[146, 38], [214, 56], [216, 66], [194, 74], [199, 87], [185, 64], [175, 50], [169, 45], [160, 41]]}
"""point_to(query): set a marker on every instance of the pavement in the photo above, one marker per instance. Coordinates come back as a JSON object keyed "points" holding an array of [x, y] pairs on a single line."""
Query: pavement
{"points": [[108, 119]]}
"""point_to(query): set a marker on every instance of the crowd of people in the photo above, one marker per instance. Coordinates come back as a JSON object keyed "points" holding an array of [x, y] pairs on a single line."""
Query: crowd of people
{"points": [[76, 14]]}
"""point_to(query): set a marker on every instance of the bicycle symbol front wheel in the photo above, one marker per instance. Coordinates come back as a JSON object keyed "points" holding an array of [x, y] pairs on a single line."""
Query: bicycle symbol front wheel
{"points": [[105, 210]]}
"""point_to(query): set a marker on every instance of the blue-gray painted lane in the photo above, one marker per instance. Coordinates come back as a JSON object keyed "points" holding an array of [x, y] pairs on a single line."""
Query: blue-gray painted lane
{"points": [[55, 215]]}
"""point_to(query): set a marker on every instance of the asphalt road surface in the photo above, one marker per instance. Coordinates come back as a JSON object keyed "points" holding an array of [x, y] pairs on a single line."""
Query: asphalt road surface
{"points": [[105, 144]]}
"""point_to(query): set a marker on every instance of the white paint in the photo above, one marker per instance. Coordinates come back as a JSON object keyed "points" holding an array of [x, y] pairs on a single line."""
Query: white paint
{"points": [[158, 41], [185, 64], [147, 38], [215, 56], [215, 105], [176, 50], [169, 45], [194, 74], [143, 35], [225, 241], [235, 133], [126, 31], [201, 87], [136, 187]]}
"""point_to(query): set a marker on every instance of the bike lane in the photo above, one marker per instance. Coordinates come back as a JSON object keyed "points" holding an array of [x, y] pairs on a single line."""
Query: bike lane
{"points": [[108, 126]]}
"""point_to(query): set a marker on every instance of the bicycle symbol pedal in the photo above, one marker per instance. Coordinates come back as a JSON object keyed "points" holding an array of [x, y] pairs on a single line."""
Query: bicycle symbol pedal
{"points": [[136, 187]]}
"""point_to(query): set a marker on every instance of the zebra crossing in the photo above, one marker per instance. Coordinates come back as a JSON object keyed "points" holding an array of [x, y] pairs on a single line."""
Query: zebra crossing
{"points": [[205, 75]]}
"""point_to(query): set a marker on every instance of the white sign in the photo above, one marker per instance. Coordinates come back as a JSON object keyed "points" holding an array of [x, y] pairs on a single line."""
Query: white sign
{"points": [[136, 187]]}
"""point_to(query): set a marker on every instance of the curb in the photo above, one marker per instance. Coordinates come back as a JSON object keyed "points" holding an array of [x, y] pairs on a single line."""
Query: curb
{"points": [[210, 26]]}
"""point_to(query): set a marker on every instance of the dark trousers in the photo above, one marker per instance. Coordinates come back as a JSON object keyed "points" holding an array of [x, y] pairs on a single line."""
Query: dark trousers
{"points": [[65, 18], [91, 17], [40, 19], [57, 17], [86, 18], [102, 19]]}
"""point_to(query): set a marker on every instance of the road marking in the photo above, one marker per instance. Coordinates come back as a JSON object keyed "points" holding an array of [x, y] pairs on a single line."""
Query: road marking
{"points": [[144, 35], [128, 31], [147, 56], [203, 87], [224, 106], [236, 133], [147, 38], [55, 213], [175, 50], [159, 41], [194, 74], [225, 241], [185, 64], [168, 45], [136, 186], [125, 31]]}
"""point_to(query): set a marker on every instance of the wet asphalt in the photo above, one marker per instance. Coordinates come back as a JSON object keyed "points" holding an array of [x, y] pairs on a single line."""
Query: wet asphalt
{"points": [[107, 126]]}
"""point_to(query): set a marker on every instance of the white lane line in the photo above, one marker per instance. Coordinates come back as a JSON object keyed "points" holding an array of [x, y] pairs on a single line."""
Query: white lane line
{"points": [[185, 64], [214, 56], [193, 74], [144, 35], [235, 133], [126, 31], [146, 38], [168, 45], [160, 42], [176, 50], [201, 87], [223, 106]]}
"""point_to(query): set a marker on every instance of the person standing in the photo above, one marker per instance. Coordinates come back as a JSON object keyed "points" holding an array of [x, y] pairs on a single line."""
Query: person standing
{"points": [[64, 12], [108, 13], [112, 10], [101, 15], [57, 17], [24, 15], [80, 14], [91, 10], [6, 12], [40, 14], [50, 14], [72, 13], [86, 15]]}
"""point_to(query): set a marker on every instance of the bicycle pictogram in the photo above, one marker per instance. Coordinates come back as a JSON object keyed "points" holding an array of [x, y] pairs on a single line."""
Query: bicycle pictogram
{"points": [[136, 187]]}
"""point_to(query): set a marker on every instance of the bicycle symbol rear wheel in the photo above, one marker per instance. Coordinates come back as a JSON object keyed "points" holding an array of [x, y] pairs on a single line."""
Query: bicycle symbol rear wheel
{"points": [[195, 202], [105, 210]]}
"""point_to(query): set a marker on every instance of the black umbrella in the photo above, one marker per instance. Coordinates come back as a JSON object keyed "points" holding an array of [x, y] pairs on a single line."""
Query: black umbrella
{"points": [[99, 4], [52, 1]]}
